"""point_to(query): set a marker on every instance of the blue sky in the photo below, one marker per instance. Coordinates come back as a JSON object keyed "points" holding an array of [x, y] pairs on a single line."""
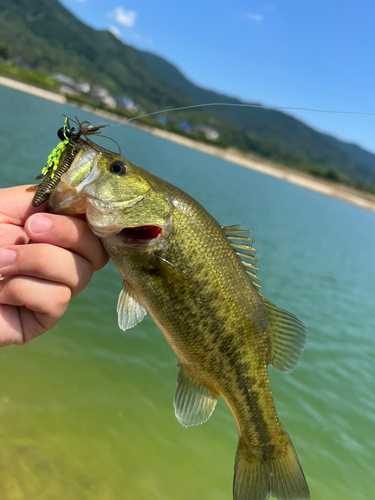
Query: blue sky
{"points": [[310, 54]]}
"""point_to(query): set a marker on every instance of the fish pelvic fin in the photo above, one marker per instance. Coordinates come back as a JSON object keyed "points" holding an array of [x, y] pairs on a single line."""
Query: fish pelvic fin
{"points": [[129, 310], [280, 477], [193, 403]]}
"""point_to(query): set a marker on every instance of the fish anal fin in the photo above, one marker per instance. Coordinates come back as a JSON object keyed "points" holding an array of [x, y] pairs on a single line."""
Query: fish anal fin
{"points": [[193, 403], [129, 310], [287, 337]]}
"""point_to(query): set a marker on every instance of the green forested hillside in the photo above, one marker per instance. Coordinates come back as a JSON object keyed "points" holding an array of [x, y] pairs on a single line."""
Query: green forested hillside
{"points": [[48, 37], [286, 133]]}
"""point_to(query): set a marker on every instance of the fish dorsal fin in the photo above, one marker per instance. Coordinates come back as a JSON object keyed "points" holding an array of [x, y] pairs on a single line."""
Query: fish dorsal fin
{"points": [[193, 403], [243, 246], [129, 310], [287, 336]]}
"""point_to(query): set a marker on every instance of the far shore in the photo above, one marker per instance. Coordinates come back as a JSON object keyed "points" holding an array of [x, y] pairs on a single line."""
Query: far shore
{"points": [[349, 195]]}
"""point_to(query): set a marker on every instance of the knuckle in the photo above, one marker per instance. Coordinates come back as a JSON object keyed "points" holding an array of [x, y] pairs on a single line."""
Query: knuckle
{"points": [[15, 289], [102, 259], [63, 295], [84, 274]]}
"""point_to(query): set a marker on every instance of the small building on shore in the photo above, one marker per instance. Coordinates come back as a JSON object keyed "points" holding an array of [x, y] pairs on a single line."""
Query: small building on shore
{"points": [[208, 132], [103, 95], [69, 86]]}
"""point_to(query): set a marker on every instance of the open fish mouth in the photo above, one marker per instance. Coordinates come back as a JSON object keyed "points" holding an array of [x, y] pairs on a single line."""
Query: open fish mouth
{"points": [[141, 235]]}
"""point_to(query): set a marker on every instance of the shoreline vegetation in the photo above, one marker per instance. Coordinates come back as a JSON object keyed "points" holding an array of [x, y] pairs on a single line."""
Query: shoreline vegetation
{"points": [[332, 189]]}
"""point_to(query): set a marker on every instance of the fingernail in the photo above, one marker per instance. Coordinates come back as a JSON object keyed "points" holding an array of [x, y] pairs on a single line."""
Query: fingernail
{"points": [[40, 224], [7, 257]]}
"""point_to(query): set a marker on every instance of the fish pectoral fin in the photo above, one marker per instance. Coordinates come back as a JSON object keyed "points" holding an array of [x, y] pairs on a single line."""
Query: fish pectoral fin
{"points": [[287, 336], [129, 310], [193, 403]]}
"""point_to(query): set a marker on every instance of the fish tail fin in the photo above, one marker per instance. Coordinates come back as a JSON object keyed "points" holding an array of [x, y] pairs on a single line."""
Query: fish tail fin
{"points": [[280, 477]]}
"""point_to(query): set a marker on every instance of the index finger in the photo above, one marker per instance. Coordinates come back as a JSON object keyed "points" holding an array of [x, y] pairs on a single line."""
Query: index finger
{"points": [[15, 208], [15, 205]]}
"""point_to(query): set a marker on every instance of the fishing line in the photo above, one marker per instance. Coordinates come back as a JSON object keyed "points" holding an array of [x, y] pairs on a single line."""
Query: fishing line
{"points": [[243, 105]]}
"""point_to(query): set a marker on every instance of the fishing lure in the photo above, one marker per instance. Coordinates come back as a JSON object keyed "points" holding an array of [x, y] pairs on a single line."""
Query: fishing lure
{"points": [[72, 139]]}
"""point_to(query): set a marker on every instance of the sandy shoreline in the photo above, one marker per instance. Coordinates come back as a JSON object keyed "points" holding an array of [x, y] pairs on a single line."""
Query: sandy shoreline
{"points": [[344, 193]]}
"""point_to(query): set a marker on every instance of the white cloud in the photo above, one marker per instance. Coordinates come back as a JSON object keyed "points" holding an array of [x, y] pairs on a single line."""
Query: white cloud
{"points": [[125, 17], [115, 31], [255, 17]]}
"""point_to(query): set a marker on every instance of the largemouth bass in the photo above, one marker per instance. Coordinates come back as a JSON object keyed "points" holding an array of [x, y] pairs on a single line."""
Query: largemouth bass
{"points": [[197, 281]]}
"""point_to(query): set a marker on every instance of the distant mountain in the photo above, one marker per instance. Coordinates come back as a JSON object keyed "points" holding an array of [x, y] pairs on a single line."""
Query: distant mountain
{"points": [[288, 133], [47, 36], [355, 152]]}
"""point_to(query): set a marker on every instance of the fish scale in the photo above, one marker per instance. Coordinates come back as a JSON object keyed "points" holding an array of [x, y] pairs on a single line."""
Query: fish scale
{"points": [[193, 277]]}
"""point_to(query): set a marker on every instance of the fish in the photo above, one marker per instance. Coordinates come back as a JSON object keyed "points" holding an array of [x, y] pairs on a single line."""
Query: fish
{"points": [[198, 282]]}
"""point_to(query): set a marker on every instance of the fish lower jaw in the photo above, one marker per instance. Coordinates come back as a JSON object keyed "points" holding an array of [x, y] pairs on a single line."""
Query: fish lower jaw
{"points": [[66, 203], [104, 232]]}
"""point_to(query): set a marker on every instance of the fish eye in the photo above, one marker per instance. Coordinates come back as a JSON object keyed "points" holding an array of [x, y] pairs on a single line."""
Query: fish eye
{"points": [[117, 167]]}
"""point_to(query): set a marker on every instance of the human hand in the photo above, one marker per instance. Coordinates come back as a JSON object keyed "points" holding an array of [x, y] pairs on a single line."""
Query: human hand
{"points": [[45, 260]]}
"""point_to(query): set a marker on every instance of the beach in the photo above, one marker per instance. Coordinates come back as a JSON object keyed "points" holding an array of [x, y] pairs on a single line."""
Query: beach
{"points": [[347, 194]]}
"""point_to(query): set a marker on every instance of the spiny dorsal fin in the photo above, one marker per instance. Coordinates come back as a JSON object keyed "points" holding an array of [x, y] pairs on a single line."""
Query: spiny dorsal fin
{"points": [[287, 335], [193, 403], [129, 310], [242, 245]]}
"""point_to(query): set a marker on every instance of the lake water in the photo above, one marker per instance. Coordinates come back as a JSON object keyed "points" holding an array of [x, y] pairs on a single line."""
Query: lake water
{"points": [[86, 410]]}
